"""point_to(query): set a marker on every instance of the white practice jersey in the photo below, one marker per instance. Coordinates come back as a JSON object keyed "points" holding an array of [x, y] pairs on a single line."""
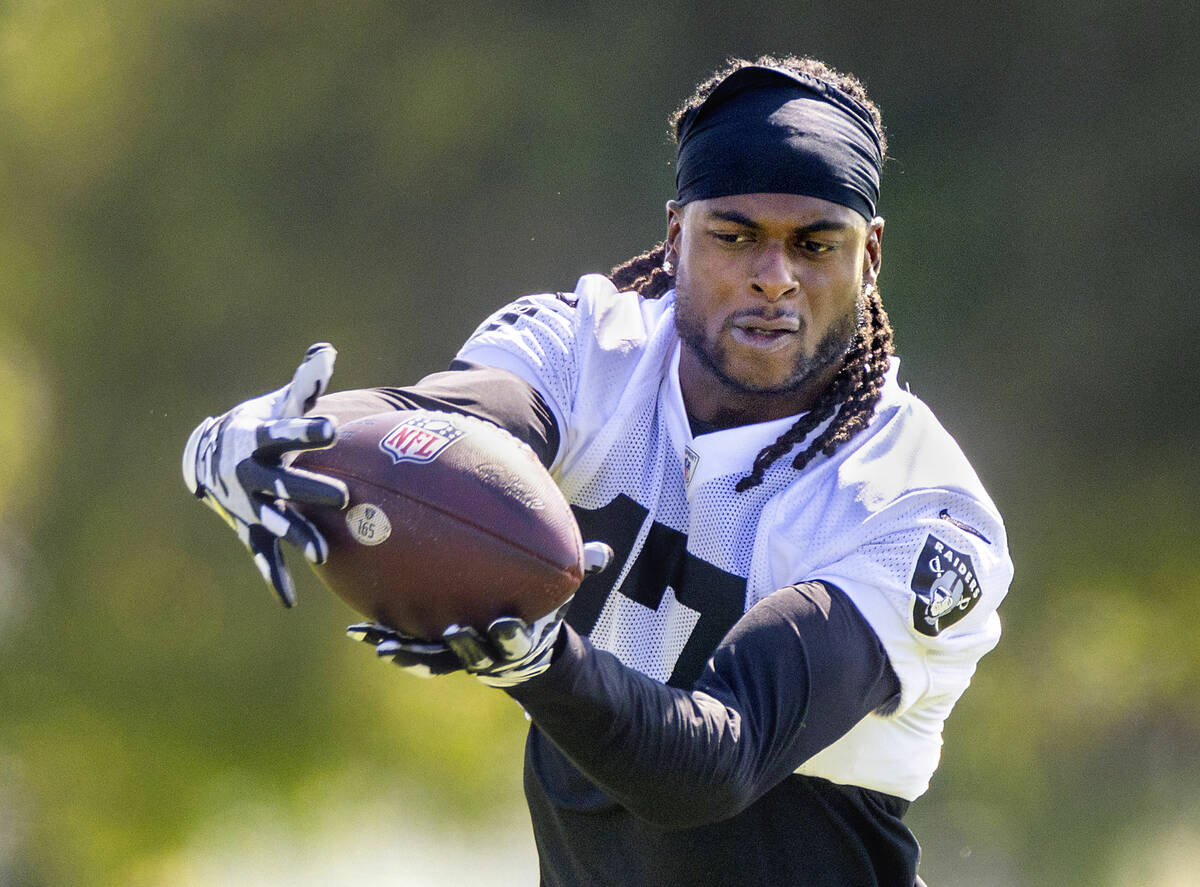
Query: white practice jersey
{"points": [[896, 518]]}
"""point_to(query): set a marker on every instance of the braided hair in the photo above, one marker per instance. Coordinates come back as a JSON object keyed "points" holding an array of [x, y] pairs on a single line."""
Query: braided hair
{"points": [[852, 394]]}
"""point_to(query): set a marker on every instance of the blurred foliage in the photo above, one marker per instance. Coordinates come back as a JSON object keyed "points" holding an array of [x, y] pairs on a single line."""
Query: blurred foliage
{"points": [[192, 192]]}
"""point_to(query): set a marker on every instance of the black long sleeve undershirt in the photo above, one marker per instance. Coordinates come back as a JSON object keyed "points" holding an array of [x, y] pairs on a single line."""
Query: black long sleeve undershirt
{"points": [[795, 673]]}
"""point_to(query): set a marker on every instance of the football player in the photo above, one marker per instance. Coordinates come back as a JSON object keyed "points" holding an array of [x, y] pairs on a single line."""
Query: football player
{"points": [[803, 568]]}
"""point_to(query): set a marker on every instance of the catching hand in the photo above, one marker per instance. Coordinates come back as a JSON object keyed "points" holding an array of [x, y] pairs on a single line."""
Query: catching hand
{"points": [[237, 464], [512, 652]]}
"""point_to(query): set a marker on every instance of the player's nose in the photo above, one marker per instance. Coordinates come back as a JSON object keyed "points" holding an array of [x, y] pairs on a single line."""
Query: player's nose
{"points": [[773, 277]]}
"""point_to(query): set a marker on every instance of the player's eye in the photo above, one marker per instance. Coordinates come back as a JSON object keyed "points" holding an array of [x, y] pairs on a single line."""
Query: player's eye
{"points": [[732, 236], [815, 246]]}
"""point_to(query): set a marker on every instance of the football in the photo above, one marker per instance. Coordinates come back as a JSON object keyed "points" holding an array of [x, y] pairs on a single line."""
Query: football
{"points": [[451, 520]]}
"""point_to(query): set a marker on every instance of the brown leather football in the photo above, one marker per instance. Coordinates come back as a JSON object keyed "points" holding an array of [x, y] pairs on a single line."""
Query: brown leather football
{"points": [[451, 520]]}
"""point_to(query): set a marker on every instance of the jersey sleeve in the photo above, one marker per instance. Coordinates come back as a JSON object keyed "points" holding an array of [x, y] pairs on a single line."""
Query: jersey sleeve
{"points": [[796, 672], [534, 338], [579, 350], [928, 572]]}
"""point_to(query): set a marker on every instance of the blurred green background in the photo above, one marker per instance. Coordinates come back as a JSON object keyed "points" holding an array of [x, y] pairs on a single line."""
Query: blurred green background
{"points": [[192, 191]]}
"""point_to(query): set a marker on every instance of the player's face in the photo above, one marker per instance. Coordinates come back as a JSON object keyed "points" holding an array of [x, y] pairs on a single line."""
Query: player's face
{"points": [[768, 295]]}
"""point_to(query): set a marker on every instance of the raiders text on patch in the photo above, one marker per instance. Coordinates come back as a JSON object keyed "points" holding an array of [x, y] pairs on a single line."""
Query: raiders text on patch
{"points": [[419, 439], [945, 585]]}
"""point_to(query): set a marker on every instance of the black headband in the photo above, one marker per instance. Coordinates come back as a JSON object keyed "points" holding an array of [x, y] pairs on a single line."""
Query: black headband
{"points": [[774, 131]]}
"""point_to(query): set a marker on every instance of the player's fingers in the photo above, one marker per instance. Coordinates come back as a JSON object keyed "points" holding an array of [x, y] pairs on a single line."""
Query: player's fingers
{"points": [[372, 633], [304, 535], [282, 435], [510, 637], [311, 488], [399, 645], [469, 647], [309, 381], [596, 556], [419, 658], [292, 484], [284, 522], [268, 557]]}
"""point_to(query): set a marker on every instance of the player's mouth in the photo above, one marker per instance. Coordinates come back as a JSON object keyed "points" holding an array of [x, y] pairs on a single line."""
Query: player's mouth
{"points": [[764, 334]]}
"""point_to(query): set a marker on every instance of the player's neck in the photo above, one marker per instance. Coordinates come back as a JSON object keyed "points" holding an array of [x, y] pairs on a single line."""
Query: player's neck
{"points": [[716, 402]]}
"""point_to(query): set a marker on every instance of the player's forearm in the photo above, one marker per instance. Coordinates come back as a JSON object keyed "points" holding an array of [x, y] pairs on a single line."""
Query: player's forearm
{"points": [[776, 692], [673, 758]]}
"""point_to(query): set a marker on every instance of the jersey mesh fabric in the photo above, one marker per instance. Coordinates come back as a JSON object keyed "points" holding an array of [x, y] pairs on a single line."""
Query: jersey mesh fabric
{"points": [[535, 331], [858, 520]]}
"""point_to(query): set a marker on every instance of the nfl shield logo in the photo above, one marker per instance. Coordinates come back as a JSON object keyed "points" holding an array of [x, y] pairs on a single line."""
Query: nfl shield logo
{"points": [[690, 460], [420, 439]]}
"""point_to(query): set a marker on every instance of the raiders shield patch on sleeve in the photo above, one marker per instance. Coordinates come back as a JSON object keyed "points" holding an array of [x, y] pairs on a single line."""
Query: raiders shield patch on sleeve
{"points": [[946, 587]]}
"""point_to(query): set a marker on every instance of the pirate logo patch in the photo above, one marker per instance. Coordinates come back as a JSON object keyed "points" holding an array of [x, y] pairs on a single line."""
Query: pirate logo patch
{"points": [[946, 588]]}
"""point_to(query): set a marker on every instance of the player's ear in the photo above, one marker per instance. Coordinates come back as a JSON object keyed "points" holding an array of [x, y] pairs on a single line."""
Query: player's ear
{"points": [[674, 226], [873, 251]]}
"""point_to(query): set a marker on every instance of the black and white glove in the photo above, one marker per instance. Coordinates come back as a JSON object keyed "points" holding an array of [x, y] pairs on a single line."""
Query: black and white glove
{"points": [[238, 465], [512, 652]]}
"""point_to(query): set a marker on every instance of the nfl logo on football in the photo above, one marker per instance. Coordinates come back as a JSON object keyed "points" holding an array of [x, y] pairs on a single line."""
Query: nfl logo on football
{"points": [[420, 439]]}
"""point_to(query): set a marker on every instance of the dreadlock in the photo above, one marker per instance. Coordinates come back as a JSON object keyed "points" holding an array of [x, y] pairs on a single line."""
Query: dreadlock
{"points": [[852, 394]]}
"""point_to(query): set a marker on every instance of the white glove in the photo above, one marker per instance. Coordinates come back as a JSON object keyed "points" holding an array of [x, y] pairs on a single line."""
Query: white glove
{"points": [[513, 651], [236, 464]]}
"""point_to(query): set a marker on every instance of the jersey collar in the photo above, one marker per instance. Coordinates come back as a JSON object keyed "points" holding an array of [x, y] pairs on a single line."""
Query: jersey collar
{"points": [[728, 451]]}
